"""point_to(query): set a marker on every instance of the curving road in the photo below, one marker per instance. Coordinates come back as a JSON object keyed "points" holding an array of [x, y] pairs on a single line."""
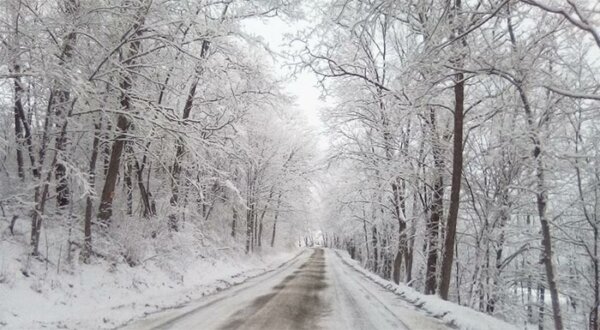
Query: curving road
{"points": [[316, 290]]}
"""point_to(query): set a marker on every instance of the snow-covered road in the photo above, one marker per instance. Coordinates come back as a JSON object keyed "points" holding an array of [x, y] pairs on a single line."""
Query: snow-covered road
{"points": [[316, 290]]}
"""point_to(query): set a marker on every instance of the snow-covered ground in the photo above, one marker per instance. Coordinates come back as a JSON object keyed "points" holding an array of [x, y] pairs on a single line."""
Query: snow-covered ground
{"points": [[104, 295], [450, 313], [359, 303], [274, 289]]}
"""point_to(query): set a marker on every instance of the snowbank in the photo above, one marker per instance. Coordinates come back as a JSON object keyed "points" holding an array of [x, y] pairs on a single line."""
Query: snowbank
{"points": [[106, 295], [452, 314]]}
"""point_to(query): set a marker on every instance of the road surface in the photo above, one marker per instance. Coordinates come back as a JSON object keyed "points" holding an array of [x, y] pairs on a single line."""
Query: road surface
{"points": [[316, 290]]}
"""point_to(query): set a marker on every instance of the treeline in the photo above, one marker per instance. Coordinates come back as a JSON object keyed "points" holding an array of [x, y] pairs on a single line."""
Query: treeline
{"points": [[133, 124], [466, 145]]}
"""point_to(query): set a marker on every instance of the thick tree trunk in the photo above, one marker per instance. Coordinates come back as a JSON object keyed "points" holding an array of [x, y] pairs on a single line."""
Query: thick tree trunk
{"points": [[457, 159], [114, 164], [457, 164]]}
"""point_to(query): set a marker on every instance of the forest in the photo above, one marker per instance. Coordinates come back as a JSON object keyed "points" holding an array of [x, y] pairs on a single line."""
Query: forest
{"points": [[461, 157]]}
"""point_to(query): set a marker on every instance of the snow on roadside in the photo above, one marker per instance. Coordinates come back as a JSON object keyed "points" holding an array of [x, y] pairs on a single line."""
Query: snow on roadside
{"points": [[105, 296], [461, 317]]}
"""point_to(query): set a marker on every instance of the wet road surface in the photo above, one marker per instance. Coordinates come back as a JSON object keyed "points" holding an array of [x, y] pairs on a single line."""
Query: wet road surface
{"points": [[314, 291]]}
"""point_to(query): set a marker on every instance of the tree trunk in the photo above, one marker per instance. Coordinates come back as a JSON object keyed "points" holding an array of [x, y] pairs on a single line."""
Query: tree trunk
{"points": [[409, 255], [592, 221], [249, 212], [437, 208], [18, 108], [594, 311], [22, 121], [249, 228], [180, 146], [542, 200], [400, 212], [128, 177], [262, 215], [59, 105], [275, 219], [149, 209], [529, 296], [38, 212], [106, 147], [433, 234], [89, 204], [541, 305], [234, 221], [255, 229], [41, 197], [63, 194], [365, 231], [123, 124], [457, 159], [541, 193], [114, 164], [457, 164], [260, 232], [375, 243]]}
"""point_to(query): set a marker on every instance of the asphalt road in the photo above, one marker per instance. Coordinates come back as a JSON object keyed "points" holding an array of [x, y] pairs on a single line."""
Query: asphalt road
{"points": [[316, 290]]}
